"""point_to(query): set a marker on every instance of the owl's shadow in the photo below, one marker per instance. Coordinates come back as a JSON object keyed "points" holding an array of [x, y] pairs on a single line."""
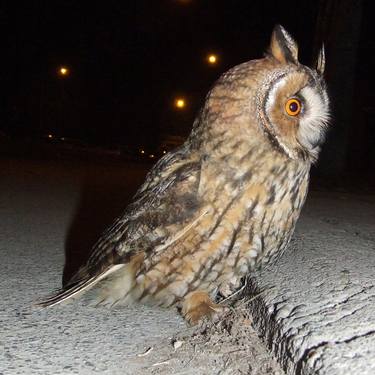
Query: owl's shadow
{"points": [[105, 192]]}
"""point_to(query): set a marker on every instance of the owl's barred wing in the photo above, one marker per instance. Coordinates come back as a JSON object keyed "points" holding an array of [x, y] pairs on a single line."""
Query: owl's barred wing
{"points": [[167, 197], [167, 201]]}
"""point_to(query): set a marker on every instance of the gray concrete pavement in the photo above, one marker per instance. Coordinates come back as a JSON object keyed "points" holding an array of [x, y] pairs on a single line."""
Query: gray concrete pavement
{"points": [[316, 311], [319, 314], [48, 209], [38, 202]]}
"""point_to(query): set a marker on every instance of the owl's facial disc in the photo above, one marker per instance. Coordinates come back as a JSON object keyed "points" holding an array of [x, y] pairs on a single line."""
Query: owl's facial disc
{"points": [[295, 112]]}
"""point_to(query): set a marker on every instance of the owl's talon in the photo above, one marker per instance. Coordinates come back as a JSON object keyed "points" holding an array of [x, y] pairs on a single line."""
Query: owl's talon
{"points": [[198, 307]]}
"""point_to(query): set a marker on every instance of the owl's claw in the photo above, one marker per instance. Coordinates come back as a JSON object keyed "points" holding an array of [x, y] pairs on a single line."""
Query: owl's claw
{"points": [[198, 306]]}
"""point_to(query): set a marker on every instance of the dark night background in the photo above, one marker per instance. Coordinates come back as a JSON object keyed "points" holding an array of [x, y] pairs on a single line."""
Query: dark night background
{"points": [[129, 60]]}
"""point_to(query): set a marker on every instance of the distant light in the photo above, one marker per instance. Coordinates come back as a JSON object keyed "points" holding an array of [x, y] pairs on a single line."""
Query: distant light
{"points": [[50, 136], [180, 103], [63, 71], [212, 59], [142, 151], [152, 156], [164, 152]]}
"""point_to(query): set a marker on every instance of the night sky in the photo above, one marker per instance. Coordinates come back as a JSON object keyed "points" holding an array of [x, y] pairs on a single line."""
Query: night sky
{"points": [[128, 61]]}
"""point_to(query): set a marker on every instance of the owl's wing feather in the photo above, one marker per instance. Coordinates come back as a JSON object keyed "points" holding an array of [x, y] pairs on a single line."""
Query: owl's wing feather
{"points": [[75, 289], [167, 197]]}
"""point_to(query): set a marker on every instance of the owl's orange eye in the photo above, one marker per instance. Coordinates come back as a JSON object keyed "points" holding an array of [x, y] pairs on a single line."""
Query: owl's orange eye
{"points": [[293, 107]]}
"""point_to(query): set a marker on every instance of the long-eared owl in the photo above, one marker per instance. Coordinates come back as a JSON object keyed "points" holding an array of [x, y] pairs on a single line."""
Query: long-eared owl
{"points": [[224, 202]]}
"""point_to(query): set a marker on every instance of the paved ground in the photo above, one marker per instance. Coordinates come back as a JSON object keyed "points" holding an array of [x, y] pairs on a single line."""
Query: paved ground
{"points": [[48, 208], [315, 311], [319, 317]]}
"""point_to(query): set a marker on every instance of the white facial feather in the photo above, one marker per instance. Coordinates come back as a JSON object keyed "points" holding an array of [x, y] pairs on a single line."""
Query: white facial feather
{"points": [[314, 120], [272, 94]]}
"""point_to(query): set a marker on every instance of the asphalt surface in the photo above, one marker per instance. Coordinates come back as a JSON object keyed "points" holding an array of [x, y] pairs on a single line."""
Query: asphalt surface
{"points": [[315, 311], [43, 207], [51, 213], [319, 314]]}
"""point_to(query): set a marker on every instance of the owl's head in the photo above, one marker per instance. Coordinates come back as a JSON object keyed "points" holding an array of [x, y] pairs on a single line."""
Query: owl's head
{"points": [[276, 97]]}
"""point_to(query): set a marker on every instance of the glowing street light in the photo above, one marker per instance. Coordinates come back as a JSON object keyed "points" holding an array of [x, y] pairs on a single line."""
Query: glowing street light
{"points": [[63, 71], [212, 59], [180, 103]]}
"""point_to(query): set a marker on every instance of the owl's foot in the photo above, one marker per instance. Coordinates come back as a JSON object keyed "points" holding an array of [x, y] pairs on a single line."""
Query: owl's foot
{"points": [[197, 306]]}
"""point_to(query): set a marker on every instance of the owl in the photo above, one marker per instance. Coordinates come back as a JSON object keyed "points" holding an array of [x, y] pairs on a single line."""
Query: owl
{"points": [[223, 203]]}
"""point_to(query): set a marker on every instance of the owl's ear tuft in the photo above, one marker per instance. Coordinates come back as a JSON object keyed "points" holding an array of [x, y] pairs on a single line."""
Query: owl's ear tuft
{"points": [[283, 47], [321, 61]]}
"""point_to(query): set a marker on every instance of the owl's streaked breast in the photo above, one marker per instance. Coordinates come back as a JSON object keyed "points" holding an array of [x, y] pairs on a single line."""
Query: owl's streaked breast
{"points": [[249, 219]]}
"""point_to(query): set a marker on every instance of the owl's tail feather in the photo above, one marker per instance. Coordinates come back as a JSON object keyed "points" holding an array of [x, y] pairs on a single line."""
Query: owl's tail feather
{"points": [[75, 289]]}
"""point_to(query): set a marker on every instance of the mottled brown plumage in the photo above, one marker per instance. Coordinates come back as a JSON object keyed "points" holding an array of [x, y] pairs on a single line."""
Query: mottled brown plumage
{"points": [[224, 202]]}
